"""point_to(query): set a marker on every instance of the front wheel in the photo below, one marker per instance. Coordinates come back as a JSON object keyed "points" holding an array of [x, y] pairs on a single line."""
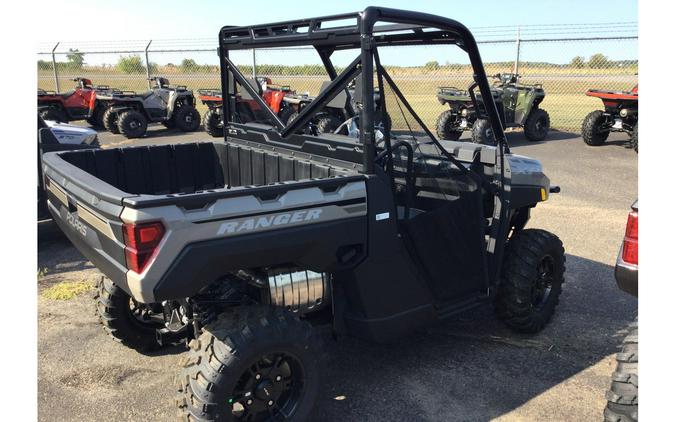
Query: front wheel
{"points": [[187, 118], [213, 123], [447, 126], [595, 129], [482, 133], [537, 125], [125, 320], [251, 364], [132, 124], [533, 272], [634, 138]]}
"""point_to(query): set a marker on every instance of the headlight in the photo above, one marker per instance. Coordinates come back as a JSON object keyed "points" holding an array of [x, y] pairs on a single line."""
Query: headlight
{"points": [[623, 112], [465, 112]]}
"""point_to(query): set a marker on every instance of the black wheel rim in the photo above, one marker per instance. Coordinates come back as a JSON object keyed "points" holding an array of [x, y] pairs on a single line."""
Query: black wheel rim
{"points": [[189, 117], [543, 285], [270, 389]]}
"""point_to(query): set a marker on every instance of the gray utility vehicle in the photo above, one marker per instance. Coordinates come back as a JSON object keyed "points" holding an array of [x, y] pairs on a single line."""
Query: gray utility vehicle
{"points": [[517, 104], [129, 113], [622, 397], [241, 247]]}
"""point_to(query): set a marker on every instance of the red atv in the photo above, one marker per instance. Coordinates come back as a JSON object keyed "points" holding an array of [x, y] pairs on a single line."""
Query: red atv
{"points": [[78, 104], [247, 108], [620, 115]]}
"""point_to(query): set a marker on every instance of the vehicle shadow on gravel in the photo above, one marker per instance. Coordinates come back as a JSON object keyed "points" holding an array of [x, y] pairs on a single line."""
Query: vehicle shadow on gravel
{"points": [[474, 368]]}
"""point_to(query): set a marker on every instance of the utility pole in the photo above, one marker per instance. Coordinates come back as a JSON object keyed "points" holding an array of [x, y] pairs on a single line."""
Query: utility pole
{"points": [[147, 64], [515, 65], [56, 73]]}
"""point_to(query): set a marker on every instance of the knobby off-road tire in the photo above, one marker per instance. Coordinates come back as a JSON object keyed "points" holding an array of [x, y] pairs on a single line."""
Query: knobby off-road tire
{"points": [[285, 113], [110, 118], [447, 126], [54, 115], [327, 124], [114, 310], [634, 138], [132, 124], [223, 364], [482, 133], [96, 120], [537, 125], [622, 396], [590, 128], [213, 124], [169, 123], [532, 276], [187, 118]]}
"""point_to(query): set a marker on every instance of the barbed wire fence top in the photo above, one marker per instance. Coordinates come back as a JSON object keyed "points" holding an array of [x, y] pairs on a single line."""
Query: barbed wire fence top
{"points": [[566, 59]]}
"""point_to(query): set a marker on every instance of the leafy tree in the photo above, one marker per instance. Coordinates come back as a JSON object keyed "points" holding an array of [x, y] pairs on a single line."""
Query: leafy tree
{"points": [[577, 62], [75, 59], [432, 65], [131, 64], [44, 65], [189, 65], [598, 61]]}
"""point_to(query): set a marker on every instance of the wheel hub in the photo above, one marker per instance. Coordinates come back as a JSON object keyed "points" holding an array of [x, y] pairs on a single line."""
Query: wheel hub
{"points": [[541, 288]]}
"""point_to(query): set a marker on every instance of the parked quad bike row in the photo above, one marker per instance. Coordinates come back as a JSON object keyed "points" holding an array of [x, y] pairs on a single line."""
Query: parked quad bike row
{"points": [[519, 106], [119, 111], [129, 113]]}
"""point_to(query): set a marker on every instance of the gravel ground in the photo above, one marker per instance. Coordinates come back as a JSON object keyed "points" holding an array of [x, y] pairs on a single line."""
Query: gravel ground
{"points": [[469, 368]]}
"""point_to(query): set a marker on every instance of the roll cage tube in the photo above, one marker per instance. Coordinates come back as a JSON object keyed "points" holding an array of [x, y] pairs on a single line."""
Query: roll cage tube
{"points": [[372, 15]]}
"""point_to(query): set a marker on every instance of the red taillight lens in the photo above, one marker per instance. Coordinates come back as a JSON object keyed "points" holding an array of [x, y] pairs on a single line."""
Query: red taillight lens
{"points": [[141, 240], [630, 241]]}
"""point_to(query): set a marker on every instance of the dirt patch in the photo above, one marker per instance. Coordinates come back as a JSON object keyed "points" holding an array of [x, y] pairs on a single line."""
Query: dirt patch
{"points": [[103, 376]]}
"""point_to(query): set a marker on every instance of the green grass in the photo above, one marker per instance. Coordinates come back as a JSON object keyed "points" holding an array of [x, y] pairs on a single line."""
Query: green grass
{"points": [[565, 100]]}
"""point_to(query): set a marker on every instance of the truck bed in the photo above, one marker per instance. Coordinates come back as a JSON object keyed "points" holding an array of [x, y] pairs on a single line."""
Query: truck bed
{"points": [[211, 198], [195, 167]]}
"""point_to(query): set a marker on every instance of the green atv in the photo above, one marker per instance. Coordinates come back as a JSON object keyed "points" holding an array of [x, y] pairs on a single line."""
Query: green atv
{"points": [[518, 105]]}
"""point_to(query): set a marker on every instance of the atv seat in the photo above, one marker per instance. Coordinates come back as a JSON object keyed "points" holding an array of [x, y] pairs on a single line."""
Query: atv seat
{"points": [[68, 94]]}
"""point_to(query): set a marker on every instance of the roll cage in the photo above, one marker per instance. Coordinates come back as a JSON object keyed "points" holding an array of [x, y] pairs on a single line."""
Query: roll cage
{"points": [[366, 30]]}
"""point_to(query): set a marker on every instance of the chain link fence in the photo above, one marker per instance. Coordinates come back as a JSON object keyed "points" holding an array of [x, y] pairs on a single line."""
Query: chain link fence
{"points": [[565, 67]]}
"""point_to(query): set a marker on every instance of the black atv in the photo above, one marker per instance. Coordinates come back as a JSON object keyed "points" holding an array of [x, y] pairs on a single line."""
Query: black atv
{"points": [[518, 105]]}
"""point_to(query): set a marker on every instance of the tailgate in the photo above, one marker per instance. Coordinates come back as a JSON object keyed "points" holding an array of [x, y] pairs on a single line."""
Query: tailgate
{"points": [[87, 210]]}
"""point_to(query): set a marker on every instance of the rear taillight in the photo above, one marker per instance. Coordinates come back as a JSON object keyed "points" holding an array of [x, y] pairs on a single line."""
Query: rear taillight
{"points": [[141, 241], [630, 241]]}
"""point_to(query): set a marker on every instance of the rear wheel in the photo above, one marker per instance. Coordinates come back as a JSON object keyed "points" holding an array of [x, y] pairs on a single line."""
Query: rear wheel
{"points": [[595, 128], [187, 118], [110, 121], [132, 124], [213, 124], [327, 124], [447, 126], [532, 276], [54, 114], [537, 125], [622, 396], [482, 133], [252, 364], [125, 320], [634, 138]]}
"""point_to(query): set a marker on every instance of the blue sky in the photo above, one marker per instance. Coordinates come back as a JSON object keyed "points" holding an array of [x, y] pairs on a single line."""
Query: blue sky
{"points": [[173, 19], [200, 19]]}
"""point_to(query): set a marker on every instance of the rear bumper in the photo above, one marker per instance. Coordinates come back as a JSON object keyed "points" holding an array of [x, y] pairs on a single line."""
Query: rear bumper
{"points": [[626, 275]]}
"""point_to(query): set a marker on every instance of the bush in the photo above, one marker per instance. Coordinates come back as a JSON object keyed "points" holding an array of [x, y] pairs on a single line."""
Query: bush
{"points": [[131, 64]]}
